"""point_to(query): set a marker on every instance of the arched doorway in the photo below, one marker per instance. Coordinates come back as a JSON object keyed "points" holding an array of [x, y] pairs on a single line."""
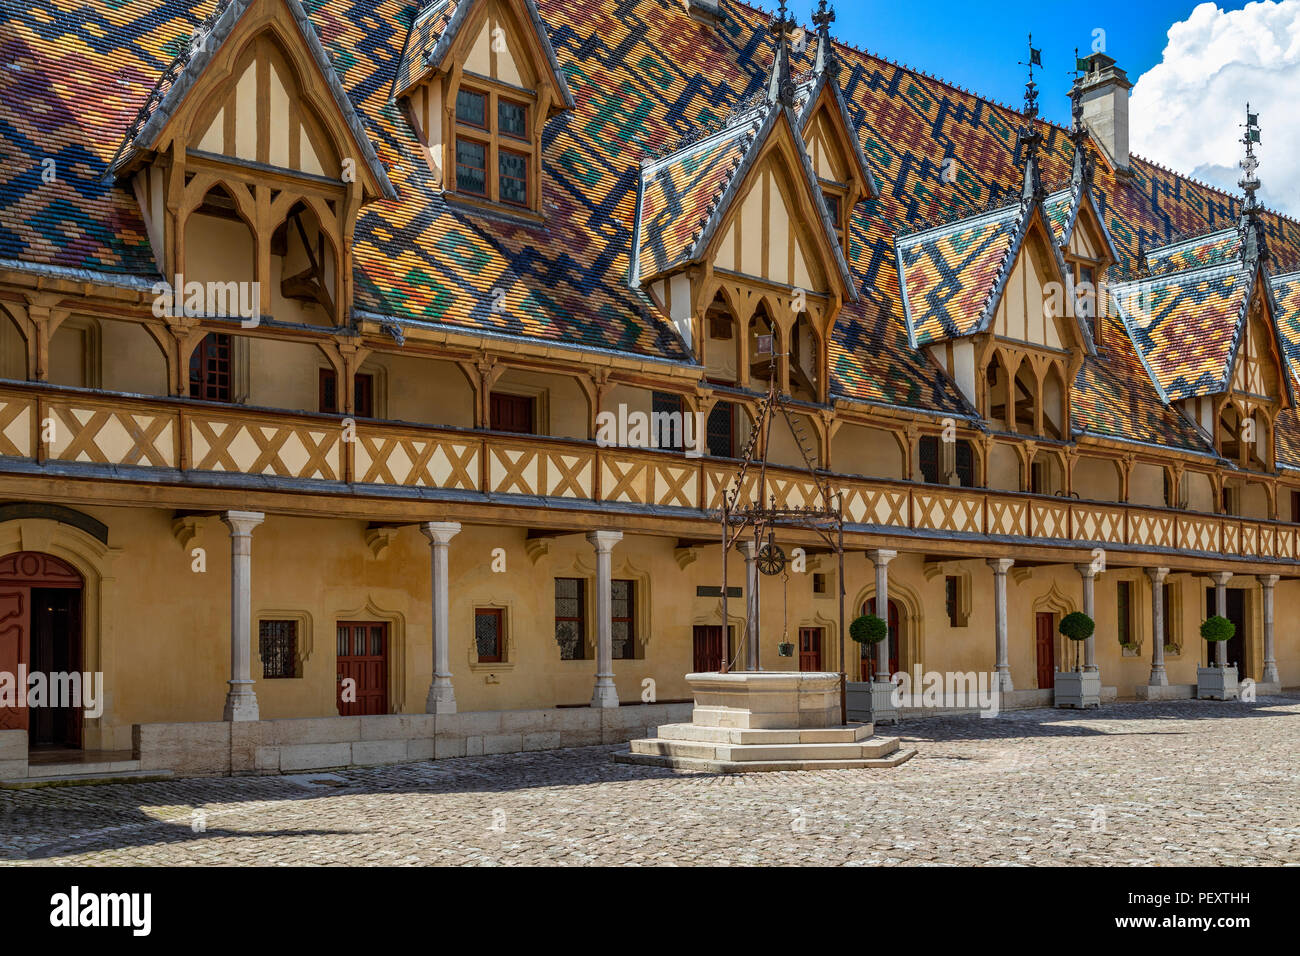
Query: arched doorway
{"points": [[868, 658], [40, 632]]}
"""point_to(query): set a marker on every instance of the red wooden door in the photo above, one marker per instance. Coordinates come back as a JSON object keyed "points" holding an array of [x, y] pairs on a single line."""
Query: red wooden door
{"points": [[362, 658], [1045, 642], [810, 649], [15, 613], [870, 608], [708, 649]]}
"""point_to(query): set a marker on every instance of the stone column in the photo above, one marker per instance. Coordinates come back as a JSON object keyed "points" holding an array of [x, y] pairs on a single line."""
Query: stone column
{"points": [[1000, 567], [1158, 677], [604, 694], [1270, 675], [1088, 574], [241, 701], [881, 560], [442, 697], [750, 550], [1221, 579]]}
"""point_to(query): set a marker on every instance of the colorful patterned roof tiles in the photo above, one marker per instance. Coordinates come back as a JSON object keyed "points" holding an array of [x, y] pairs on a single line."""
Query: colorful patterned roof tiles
{"points": [[1220, 246]]}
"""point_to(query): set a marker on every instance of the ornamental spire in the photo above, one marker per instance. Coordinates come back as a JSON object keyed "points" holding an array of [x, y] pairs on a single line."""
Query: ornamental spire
{"points": [[1081, 174], [827, 61], [1028, 140], [1253, 245], [780, 88]]}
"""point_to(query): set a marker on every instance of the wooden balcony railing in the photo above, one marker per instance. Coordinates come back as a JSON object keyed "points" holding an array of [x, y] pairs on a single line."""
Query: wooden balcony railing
{"points": [[192, 437]]}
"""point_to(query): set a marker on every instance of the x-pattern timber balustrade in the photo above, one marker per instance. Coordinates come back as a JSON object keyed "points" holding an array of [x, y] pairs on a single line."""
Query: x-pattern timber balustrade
{"points": [[73, 428]]}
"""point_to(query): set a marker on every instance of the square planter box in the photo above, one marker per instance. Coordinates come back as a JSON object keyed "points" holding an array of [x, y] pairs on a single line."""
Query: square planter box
{"points": [[857, 696], [1217, 683], [1078, 689], [883, 710]]}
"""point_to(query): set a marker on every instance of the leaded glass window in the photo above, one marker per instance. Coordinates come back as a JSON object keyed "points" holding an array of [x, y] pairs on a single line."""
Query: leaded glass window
{"points": [[623, 635], [278, 647], [488, 637], [570, 623]]}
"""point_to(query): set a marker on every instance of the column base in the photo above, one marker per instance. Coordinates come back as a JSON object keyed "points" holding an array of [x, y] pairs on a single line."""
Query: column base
{"points": [[1270, 673], [1004, 680], [604, 694], [442, 698], [1158, 677], [241, 702]]}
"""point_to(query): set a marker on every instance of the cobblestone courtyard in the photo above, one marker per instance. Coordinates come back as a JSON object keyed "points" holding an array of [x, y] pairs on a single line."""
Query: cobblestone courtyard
{"points": [[1174, 783]]}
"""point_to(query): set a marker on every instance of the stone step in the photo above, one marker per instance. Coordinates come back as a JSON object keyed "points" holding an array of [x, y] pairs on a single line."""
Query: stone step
{"points": [[81, 768], [734, 766], [854, 733], [870, 749], [83, 779]]}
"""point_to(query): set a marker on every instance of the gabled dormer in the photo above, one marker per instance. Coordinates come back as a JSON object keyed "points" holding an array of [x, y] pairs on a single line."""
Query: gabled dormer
{"points": [[983, 295], [480, 80], [829, 135], [735, 244], [250, 165]]}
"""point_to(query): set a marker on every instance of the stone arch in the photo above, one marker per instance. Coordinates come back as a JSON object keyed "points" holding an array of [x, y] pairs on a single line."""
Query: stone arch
{"points": [[398, 637], [911, 619], [93, 560], [1054, 601]]}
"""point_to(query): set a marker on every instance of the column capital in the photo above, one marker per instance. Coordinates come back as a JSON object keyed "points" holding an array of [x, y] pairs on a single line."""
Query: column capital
{"points": [[1157, 575], [1000, 565], [440, 532], [1088, 570], [604, 541], [1220, 578], [879, 556], [748, 548], [1268, 580], [242, 522]]}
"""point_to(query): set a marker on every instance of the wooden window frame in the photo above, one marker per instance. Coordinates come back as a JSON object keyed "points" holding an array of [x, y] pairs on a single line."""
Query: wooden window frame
{"points": [[580, 620], [487, 105], [202, 384], [362, 383], [629, 649], [495, 142], [500, 615], [534, 405], [501, 176]]}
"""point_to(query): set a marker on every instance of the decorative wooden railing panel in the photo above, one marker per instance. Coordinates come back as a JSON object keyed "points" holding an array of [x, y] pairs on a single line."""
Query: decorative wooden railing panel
{"points": [[40, 424]]}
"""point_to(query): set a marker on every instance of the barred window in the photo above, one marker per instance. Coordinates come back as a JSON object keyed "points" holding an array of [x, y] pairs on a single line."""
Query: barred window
{"points": [[278, 647], [570, 623], [623, 637], [489, 636], [211, 368]]}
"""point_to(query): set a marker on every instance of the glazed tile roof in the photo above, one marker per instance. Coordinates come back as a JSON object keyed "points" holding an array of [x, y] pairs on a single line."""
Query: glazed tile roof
{"points": [[951, 273], [642, 74], [1185, 325], [679, 195], [1060, 210], [1213, 248]]}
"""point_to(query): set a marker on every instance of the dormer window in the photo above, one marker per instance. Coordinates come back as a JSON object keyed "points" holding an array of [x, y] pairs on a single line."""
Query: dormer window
{"points": [[494, 151]]}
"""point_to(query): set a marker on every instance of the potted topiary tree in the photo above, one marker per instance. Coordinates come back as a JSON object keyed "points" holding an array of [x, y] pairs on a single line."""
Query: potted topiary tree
{"points": [[1218, 681], [1077, 688], [871, 699]]}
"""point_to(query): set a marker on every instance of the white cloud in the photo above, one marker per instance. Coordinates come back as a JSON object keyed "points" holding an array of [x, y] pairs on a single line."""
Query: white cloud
{"points": [[1185, 112]]}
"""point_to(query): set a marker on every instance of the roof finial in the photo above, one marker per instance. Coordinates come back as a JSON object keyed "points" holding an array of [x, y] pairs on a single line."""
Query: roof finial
{"points": [[1081, 174], [1031, 88], [822, 20], [781, 87], [1253, 245]]}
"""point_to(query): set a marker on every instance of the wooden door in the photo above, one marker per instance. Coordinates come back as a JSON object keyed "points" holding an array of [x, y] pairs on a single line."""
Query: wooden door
{"points": [[810, 649], [512, 413], [362, 648], [1236, 613], [15, 611], [708, 649], [1045, 643], [870, 608]]}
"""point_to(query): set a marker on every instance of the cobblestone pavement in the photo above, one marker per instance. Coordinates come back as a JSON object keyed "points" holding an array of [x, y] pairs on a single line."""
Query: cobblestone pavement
{"points": [[1172, 783]]}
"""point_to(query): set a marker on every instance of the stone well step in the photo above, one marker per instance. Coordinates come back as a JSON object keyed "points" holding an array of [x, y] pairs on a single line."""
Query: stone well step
{"points": [[870, 749], [766, 766], [853, 733]]}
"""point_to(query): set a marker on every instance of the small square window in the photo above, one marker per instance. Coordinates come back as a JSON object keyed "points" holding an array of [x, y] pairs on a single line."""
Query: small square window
{"points": [[489, 635], [277, 645], [512, 119], [471, 108], [819, 583], [471, 167], [514, 177]]}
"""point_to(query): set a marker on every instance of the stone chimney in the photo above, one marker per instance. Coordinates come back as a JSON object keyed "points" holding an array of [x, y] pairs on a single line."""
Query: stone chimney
{"points": [[706, 11], [1105, 88]]}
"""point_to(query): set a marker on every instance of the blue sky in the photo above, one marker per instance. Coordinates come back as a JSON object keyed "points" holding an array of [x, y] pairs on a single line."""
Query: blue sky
{"points": [[977, 44]]}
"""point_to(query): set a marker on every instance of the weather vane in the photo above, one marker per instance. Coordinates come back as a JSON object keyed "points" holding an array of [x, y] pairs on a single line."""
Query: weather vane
{"points": [[1031, 88]]}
